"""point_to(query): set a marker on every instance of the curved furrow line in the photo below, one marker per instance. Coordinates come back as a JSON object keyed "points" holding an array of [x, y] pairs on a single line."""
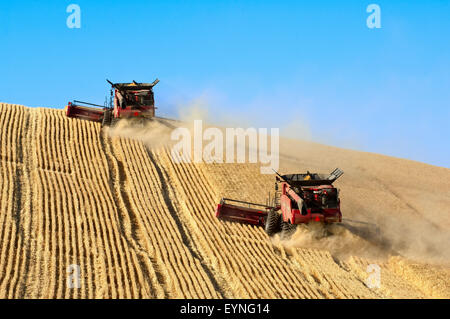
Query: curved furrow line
{"points": [[4, 116], [124, 210], [141, 198], [103, 260], [191, 183], [188, 243], [150, 243], [123, 221], [55, 249], [146, 258], [212, 284], [67, 237], [135, 221], [165, 228], [71, 249], [106, 254], [196, 230], [10, 141], [127, 261], [109, 214], [188, 189], [23, 207], [112, 242], [44, 248], [6, 196], [84, 241], [7, 210], [203, 206], [50, 247], [29, 287], [80, 201], [162, 221], [106, 245]]}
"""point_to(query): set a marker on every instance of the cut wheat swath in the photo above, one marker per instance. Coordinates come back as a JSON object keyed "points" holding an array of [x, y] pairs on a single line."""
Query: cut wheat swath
{"points": [[139, 225]]}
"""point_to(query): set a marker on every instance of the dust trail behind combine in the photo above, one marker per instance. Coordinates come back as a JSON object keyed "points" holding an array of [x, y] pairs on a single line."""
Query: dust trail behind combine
{"points": [[338, 240], [154, 133]]}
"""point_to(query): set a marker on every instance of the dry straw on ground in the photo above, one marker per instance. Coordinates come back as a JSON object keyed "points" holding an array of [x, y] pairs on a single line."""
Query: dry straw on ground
{"points": [[141, 226]]}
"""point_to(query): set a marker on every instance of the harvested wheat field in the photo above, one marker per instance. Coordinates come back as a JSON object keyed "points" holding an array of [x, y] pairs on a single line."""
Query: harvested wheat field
{"points": [[141, 226]]}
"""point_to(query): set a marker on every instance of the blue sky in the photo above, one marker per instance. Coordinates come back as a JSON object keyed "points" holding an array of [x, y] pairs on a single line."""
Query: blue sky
{"points": [[314, 65]]}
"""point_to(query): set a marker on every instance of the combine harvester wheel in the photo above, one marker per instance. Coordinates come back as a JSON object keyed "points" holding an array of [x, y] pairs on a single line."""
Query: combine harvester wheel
{"points": [[273, 223], [287, 230]]}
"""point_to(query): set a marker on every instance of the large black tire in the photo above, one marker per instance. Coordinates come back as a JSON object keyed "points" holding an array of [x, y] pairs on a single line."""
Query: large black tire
{"points": [[287, 230], [106, 118], [273, 221]]}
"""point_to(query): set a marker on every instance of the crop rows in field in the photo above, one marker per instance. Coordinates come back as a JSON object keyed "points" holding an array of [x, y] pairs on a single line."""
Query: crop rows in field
{"points": [[138, 225]]}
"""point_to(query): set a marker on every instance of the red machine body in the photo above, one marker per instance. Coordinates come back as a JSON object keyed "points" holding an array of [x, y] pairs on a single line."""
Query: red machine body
{"points": [[299, 199], [134, 100], [320, 204]]}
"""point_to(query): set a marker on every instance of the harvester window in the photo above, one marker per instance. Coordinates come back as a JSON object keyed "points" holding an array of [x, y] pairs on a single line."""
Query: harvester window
{"points": [[329, 198], [147, 99]]}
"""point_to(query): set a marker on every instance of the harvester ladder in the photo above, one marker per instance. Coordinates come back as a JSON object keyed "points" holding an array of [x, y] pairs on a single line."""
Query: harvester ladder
{"points": [[276, 199]]}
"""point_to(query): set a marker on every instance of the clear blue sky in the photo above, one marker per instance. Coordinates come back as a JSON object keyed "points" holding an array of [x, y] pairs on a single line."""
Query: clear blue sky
{"points": [[275, 63]]}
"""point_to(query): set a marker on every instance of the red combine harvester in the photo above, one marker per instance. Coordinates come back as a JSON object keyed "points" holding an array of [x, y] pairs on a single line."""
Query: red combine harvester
{"points": [[299, 199], [128, 100]]}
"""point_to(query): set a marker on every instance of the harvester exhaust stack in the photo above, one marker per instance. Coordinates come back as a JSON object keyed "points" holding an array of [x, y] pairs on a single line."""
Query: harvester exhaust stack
{"points": [[334, 175]]}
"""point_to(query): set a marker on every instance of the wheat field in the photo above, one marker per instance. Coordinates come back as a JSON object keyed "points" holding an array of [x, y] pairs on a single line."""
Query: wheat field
{"points": [[139, 225]]}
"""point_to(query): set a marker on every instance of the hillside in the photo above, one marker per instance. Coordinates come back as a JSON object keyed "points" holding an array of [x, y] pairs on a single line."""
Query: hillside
{"points": [[141, 226]]}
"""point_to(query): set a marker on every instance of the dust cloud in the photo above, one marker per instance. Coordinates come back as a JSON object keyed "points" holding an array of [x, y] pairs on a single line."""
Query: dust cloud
{"points": [[415, 241], [153, 133], [337, 239]]}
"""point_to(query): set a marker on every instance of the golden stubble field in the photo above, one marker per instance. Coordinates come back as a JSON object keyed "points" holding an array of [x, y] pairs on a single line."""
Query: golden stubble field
{"points": [[139, 225]]}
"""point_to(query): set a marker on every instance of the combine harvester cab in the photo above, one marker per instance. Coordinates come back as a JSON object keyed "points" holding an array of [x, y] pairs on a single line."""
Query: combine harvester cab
{"points": [[302, 198], [128, 100], [310, 197], [133, 100]]}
